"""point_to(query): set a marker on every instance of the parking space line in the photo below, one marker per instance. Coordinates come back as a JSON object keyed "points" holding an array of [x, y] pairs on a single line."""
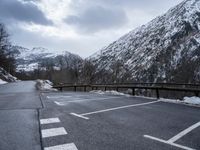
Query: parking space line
{"points": [[52, 97], [169, 143], [184, 132], [53, 132], [111, 109], [70, 146], [65, 96], [49, 120], [176, 137], [80, 100], [80, 116]]}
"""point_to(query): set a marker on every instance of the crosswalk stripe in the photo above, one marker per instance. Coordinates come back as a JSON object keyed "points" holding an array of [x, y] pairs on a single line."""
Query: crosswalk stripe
{"points": [[70, 146], [53, 132], [49, 120]]}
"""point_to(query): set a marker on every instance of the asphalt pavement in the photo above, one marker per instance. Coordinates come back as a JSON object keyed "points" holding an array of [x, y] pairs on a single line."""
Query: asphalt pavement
{"points": [[32, 120], [108, 122], [19, 124]]}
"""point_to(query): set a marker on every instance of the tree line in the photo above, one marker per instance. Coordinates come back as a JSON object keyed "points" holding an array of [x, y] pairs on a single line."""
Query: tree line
{"points": [[7, 56]]}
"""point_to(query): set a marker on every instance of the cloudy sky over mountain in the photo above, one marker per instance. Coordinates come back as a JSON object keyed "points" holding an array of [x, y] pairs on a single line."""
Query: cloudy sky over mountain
{"points": [[78, 26]]}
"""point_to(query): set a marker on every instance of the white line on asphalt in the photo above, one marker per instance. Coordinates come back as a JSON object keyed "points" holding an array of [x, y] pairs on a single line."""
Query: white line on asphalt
{"points": [[52, 97], [53, 132], [184, 132], [59, 103], [70, 146], [94, 99], [80, 100], [80, 116], [49, 120], [115, 108], [169, 143]]}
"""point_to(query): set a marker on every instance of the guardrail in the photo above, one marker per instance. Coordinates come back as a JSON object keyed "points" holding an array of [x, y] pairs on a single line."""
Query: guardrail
{"points": [[157, 88]]}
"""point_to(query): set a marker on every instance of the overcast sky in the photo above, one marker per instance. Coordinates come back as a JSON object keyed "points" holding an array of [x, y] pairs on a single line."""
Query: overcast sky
{"points": [[78, 26]]}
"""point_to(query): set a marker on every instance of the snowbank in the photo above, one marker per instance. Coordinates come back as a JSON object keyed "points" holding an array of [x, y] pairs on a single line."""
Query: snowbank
{"points": [[44, 85], [3, 82], [109, 93], [192, 100]]}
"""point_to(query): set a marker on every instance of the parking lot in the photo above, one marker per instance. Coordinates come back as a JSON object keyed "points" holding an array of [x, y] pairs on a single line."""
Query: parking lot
{"points": [[90, 121]]}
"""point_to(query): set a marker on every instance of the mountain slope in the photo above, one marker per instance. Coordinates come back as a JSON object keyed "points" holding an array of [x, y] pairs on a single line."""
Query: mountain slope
{"points": [[165, 49], [39, 58], [6, 77]]}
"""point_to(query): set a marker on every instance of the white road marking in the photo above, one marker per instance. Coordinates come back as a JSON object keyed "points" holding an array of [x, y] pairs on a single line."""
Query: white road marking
{"points": [[169, 143], [111, 109], [65, 96], [52, 97], [116, 108], [59, 103], [70, 146], [53, 132], [184, 132], [82, 99], [94, 99], [80, 116], [49, 120]]}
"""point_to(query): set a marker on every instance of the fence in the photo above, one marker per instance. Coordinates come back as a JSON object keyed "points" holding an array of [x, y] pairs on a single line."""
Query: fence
{"points": [[157, 87]]}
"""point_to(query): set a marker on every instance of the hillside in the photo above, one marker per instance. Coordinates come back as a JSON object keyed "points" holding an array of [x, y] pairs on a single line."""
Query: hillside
{"points": [[167, 49], [40, 58], [6, 77]]}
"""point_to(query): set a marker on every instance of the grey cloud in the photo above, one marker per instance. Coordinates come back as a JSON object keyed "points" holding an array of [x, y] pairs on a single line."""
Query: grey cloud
{"points": [[98, 18], [144, 4], [22, 11]]}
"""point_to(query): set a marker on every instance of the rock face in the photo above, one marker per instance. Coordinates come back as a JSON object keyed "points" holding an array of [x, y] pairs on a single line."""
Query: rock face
{"points": [[167, 49], [28, 60], [5, 76]]}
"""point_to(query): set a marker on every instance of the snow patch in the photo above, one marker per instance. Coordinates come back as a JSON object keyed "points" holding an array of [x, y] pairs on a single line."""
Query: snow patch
{"points": [[3, 82], [192, 100], [5, 76], [44, 85], [110, 93]]}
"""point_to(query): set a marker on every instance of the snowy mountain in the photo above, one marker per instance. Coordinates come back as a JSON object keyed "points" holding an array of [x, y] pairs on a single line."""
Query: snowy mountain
{"points": [[28, 60], [165, 49]]}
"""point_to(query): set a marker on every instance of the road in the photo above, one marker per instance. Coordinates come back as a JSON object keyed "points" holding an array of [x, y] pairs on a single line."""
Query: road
{"points": [[19, 127], [90, 121]]}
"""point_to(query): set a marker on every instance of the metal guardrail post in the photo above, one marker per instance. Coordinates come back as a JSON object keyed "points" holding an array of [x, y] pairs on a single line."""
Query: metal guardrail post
{"points": [[157, 93], [196, 94], [105, 88], [133, 91], [61, 89], [117, 89], [75, 88], [85, 88]]}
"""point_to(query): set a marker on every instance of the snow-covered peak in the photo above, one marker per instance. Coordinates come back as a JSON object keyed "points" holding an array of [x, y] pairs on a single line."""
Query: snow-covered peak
{"points": [[160, 46], [29, 59]]}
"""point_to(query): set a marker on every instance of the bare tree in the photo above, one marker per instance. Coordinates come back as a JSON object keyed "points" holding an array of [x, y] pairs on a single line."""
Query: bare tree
{"points": [[7, 60]]}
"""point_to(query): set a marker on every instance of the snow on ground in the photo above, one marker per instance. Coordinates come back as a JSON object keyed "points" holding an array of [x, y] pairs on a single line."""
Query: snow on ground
{"points": [[3, 82], [44, 85], [192, 100], [5, 76], [186, 100], [109, 93]]}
